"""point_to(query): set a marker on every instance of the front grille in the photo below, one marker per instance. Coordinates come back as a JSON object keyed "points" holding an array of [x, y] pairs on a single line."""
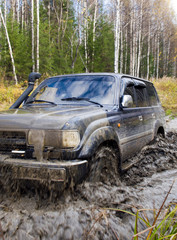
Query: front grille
{"points": [[12, 138], [13, 143]]}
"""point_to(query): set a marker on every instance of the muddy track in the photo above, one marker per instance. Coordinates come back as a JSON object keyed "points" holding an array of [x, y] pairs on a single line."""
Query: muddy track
{"points": [[80, 214]]}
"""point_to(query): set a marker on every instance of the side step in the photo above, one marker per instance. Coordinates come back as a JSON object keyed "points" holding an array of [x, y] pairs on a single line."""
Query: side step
{"points": [[128, 164]]}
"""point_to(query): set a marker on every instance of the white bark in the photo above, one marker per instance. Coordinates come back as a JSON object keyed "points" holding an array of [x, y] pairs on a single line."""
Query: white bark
{"points": [[10, 48], [80, 20], [22, 14], [37, 47], [126, 50], [32, 31], [18, 11], [164, 54], [121, 44], [157, 68], [135, 37], [140, 40], [131, 42], [85, 33], [168, 54], [154, 54], [117, 36], [94, 30], [13, 7], [149, 46]]}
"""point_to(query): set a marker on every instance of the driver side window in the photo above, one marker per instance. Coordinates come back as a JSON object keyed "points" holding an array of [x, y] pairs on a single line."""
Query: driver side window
{"points": [[130, 91]]}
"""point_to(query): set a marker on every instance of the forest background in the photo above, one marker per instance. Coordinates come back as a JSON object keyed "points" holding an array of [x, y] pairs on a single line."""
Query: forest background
{"points": [[136, 37]]}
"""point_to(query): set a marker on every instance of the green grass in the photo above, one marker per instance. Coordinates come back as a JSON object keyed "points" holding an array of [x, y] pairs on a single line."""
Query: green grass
{"points": [[161, 226], [8, 95]]}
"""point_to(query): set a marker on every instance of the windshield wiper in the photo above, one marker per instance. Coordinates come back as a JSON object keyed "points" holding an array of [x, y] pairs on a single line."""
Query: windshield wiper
{"points": [[40, 101], [81, 99]]}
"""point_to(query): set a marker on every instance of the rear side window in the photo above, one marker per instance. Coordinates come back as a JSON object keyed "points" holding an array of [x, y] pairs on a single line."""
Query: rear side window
{"points": [[141, 97], [153, 99]]}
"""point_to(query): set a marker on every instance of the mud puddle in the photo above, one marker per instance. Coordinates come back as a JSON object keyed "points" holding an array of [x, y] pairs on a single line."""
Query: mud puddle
{"points": [[81, 214]]}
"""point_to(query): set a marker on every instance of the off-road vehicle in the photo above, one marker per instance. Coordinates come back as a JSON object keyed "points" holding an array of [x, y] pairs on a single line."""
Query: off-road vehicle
{"points": [[78, 125]]}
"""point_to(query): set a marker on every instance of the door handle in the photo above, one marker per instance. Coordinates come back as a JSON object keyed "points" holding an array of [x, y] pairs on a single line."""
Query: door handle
{"points": [[153, 115], [141, 118]]}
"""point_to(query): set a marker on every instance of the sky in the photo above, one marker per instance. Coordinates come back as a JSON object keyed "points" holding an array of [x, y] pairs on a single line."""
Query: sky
{"points": [[174, 5]]}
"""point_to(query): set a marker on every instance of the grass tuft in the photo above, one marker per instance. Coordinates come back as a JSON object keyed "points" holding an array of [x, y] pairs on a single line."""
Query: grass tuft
{"points": [[164, 225]]}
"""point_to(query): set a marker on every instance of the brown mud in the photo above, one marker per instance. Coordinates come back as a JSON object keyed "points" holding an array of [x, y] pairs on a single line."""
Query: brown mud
{"points": [[80, 214]]}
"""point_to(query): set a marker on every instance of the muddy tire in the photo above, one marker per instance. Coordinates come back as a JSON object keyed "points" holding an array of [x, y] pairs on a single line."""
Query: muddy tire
{"points": [[104, 165]]}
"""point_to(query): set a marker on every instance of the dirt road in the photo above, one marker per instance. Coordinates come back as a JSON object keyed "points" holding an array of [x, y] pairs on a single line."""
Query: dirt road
{"points": [[81, 214]]}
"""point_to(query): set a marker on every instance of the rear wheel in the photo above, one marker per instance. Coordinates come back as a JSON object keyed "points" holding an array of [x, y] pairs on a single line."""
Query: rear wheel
{"points": [[104, 165]]}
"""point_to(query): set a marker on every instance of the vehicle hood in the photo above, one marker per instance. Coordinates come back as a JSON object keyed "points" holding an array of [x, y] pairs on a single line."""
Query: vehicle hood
{"points": [[60, 117]]}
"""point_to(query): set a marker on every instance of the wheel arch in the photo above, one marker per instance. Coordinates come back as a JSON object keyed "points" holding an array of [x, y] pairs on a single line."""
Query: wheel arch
{"points": [[159, 129], [105, 136]]}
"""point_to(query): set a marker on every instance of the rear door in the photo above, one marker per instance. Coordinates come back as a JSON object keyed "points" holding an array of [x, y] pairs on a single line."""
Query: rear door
{"points": [[147, 112]]}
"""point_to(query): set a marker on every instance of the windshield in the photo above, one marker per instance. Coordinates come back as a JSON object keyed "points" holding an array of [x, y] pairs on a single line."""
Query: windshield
{"points": [[99, 89]]}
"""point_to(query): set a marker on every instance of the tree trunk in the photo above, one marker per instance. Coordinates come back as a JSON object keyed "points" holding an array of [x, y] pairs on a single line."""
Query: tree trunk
{"points": [[10, 48], [126, 50], [134, 64], [18, 11], [149, 46], [13, 7], [22, 19], [155, 55], [37, 47], [131, 48], [122, 46], [117, 36], [94, 30], [85, 33], [157, 72], [168, 55], [32, 30], [140, 40]]}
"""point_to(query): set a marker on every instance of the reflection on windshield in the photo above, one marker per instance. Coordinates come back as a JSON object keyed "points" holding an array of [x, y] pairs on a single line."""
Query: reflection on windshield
{"points": [[96, 88]]}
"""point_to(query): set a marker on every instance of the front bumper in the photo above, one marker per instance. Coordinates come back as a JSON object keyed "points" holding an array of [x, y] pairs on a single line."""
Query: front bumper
{"points": [[49, 171]]}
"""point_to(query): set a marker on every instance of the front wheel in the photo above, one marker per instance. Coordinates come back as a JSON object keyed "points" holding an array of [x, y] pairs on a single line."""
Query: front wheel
{"points": [[104, 165]]}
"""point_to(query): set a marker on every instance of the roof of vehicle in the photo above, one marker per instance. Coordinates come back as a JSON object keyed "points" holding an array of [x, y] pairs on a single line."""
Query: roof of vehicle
{"points": [[103, 73]]}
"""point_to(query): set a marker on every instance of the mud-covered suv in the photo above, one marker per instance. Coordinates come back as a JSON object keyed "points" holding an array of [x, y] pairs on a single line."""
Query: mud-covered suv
{"points": [[74, 124]]}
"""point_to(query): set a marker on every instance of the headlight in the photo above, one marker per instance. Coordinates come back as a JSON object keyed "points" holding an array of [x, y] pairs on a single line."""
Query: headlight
{"points": [[70, 139], [54, 138]]}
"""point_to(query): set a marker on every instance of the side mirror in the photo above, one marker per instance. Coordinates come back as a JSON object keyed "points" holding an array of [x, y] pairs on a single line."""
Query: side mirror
{"points": [[127, 101]]}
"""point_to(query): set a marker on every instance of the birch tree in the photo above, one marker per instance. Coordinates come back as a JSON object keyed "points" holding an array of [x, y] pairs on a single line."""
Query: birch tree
{"points": [[37, 47], [10, 48], [94, 31], [149, 46], [140, 38], [117, 36], [85, 32], [32, 32], [18, 11]]}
